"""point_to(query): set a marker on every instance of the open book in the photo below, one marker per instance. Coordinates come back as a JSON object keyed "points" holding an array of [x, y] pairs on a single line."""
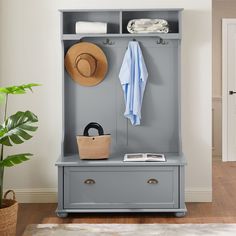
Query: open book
{"points": [[144, 157]]}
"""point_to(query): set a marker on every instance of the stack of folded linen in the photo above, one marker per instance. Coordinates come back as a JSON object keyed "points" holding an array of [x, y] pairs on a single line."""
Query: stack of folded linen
{"points": [[148, 26], [87, 27]]}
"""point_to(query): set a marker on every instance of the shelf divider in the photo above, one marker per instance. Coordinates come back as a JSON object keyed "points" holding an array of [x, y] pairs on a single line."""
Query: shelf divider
{"points": [[121, 26]]}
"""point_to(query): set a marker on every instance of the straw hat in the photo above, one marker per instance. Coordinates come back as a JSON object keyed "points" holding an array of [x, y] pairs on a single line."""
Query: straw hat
{"points": [[86, 63]]}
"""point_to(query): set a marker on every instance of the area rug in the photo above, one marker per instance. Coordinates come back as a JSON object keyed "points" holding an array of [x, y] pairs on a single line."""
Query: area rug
{"points": [[130, 230]]}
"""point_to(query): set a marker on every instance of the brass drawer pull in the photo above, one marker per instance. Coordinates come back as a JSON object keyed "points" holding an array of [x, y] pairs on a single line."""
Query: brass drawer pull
{"points": [[89, 181], [152, 181]]}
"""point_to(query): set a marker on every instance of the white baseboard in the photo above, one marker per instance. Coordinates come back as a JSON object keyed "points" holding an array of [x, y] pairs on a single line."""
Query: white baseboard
{"points": [[49, 195], [36, 195]]}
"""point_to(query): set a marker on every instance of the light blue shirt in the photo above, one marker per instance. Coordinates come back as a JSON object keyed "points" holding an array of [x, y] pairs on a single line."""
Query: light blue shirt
{"points": [[133, 77]]}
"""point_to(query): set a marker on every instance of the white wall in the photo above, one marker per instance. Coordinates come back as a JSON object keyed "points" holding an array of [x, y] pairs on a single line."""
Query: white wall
{"points": [[30, 52]]}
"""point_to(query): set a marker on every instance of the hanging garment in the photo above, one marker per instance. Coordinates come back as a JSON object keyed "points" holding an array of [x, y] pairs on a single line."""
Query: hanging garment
{"points": [[133, 77], [136, 26]]}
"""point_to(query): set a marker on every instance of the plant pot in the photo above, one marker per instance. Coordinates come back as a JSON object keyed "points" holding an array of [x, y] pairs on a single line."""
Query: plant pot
{"points": [[8, 215]]}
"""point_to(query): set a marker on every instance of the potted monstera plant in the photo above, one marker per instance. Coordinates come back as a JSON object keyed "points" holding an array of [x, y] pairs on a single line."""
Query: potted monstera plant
{"points": [[15, 129]]}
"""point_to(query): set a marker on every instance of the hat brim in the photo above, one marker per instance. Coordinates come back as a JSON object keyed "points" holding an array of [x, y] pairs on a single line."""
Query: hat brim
{"points": [[97, 53]]}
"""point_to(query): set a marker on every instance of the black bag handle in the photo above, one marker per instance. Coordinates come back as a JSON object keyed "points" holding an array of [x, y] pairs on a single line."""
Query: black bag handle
{"points": [[93, 125]]}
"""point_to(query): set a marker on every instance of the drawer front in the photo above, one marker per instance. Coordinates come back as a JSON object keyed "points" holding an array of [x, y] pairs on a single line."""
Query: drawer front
{"points": [[121, 187]]}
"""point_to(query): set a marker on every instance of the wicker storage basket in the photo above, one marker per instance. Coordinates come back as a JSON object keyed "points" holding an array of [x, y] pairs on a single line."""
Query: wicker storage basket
{"points": [[94, 147], [8, 215]]}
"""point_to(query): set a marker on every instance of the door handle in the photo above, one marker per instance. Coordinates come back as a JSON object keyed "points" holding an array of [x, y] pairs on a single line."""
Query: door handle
{"points": [[231, 92]]}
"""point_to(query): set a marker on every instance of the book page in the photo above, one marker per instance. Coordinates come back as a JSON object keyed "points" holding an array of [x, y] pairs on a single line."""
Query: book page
{"points": [[144, 157]]}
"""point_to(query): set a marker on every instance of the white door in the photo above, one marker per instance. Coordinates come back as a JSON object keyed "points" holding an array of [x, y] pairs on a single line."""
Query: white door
{"points": [[229, 89]]}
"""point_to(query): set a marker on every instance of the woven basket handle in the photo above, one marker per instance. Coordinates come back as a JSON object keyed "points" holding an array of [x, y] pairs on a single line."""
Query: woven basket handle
{"points": [[93, 125], [13, 194]]}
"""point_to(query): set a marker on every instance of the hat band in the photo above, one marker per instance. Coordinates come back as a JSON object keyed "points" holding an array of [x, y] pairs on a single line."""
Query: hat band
{"points": [[91, 61]]}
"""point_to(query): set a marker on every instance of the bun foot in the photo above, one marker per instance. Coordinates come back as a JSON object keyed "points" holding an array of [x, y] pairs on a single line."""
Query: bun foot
{"points": [[62, 214], [180, 214]]}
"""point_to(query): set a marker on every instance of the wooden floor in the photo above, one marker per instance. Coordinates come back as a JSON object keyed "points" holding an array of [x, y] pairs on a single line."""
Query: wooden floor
{"points": [[221, 210]]}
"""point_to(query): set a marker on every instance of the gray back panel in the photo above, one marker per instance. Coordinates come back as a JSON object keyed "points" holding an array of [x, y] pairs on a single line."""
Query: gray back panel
{"points": [[104, 103], [159, 129]]}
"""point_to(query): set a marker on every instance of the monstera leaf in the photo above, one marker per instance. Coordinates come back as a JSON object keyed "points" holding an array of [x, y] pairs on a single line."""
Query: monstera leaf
{"points": [[22, 89], [15, 159], [16, 128]]}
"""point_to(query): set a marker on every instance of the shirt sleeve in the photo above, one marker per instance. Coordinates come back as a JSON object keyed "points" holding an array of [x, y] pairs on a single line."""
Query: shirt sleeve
{"points": [[125, 70], [143, 69]]}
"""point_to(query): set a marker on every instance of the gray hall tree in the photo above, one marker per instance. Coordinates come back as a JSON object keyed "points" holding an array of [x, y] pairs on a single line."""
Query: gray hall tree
{"points": [[113, 185]]}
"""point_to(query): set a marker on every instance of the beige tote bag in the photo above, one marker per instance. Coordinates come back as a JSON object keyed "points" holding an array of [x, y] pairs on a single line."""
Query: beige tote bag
{"points": [[94, 147]]}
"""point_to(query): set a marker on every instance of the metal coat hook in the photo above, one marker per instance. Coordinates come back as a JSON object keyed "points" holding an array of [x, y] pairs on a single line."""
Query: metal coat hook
{"points": [[108, 42], [161, 41]]}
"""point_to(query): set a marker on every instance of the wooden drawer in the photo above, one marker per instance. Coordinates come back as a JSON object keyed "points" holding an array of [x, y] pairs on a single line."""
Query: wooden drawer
{"points": [[119, 187]]}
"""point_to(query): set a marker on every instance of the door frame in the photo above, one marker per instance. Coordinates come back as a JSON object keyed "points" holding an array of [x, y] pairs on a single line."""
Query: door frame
{"points": [[225, 24]]}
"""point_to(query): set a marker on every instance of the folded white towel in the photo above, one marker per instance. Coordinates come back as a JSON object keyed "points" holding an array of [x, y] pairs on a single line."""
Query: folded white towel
{"points": [[86, 27], [148, 26]]}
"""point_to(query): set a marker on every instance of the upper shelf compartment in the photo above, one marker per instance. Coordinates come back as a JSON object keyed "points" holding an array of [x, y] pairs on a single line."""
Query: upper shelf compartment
{"points": [[117, 21], [111, 17], [172, 16]]}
